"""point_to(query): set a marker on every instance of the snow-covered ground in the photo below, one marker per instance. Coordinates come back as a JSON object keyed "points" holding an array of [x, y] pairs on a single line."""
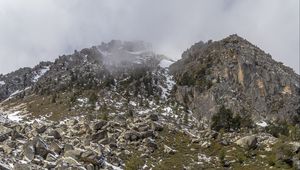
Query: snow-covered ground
{"points": [[10, 116], [2, 83], [40, 73], [165, 63]]}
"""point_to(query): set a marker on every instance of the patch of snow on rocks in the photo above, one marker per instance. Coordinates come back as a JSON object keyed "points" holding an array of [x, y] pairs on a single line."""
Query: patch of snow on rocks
{"points": [[132, 103], [41, 73], [165, 63], [262, 123], [2, 83], [15, 117]]}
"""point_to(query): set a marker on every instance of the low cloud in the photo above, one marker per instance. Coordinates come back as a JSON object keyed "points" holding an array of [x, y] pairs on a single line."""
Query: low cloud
{"points": [[35, 30]]}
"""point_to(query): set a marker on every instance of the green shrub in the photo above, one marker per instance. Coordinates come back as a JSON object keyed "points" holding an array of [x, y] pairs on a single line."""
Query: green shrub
{"points": [[278, 129], [224, 120]]}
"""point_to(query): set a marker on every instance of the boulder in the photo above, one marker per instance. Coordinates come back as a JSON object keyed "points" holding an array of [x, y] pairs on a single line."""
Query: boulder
{"points": [[76, 154], [55, 147], [29, 151], [41, 148], [98, 125], [4, 133], [153, 117], [249, 142], [55, 134], [132, 136], [4, 166], [99, 135], [169, 150], [156, 126]]}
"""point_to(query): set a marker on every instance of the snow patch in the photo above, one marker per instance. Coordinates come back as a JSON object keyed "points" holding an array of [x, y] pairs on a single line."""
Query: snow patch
{"points": [[41, 73], [165, 63], [132, 103], [262, 123], [15, 117], [2, 83]]}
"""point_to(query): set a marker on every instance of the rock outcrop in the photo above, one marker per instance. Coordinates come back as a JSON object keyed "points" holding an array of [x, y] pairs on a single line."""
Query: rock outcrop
{"points": [[235, 73]]}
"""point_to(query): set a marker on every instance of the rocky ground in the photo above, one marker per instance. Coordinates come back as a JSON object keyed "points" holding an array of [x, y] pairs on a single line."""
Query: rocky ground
{"points": [[138, 142], [225, 105]]}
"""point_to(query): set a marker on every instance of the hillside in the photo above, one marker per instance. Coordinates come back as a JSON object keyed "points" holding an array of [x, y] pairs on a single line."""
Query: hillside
{"points": [[225, 105]]}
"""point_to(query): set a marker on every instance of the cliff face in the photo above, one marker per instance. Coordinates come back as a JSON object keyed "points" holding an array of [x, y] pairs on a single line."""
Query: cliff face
{"points": [[121, 106], [235, 73]]}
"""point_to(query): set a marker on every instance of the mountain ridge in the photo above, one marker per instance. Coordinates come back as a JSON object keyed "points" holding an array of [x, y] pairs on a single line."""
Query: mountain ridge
{"points": [[119, 105]]}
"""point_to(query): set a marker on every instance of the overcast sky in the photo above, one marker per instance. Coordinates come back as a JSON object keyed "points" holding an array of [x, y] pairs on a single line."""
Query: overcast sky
{"points": [[36, 30]]}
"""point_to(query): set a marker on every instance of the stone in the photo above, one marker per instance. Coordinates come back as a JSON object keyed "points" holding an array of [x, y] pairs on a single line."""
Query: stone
{"points": [[55, 147], [249, 142], [147, 134], [41, 148], [169, 150], [99, 124], [19, 166], [51, 158], [99, 135], [55, 134], [153, 117], [76, 154], [41, 128], [16, 135], [4, 133], [4, 166], [49, 165], [29, 151], [156, 127], [132, 136], [68, 147]]}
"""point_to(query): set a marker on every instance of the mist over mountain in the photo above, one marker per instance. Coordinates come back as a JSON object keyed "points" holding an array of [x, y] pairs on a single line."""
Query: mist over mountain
{"points": [[120, 105]]}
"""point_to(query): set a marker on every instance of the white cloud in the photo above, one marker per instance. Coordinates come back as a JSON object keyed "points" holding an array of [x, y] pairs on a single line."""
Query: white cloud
{"points": [[35, 30]]}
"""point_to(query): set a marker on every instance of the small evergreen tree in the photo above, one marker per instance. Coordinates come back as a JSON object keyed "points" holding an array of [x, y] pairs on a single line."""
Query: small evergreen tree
{"points": [[222, 119]]}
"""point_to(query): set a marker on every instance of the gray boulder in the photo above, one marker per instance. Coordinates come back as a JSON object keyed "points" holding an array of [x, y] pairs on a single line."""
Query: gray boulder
{"points": [[249, 142]]}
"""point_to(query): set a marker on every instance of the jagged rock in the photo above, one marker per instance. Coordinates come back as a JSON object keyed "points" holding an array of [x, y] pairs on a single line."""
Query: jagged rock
{"points": [[20, 166], [76, 154], [41, 129], [4, 166], [51, 157], [90, 157], [156, 127], [295, 146], [55, 134], [132, 136], [151, 144], [68, 147], [147, 134], [16, 135], [55, 147], [6, 149], [41, 148], [249, 142], [153, 117], [99, 125], [49, 165], [4, 133], [29, 151], [99, 135], [296, 164], [169, 150], [238, 72]]}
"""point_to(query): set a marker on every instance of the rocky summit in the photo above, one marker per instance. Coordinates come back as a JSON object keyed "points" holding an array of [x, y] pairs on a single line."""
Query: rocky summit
{"points": [[224, 105]]}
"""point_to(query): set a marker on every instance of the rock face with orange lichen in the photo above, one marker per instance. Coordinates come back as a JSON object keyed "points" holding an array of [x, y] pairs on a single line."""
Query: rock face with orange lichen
{"points": [[235, 73]]}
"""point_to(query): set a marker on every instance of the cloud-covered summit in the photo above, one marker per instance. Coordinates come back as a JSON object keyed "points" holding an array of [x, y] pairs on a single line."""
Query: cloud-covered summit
{"points": [[35, 30]]}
